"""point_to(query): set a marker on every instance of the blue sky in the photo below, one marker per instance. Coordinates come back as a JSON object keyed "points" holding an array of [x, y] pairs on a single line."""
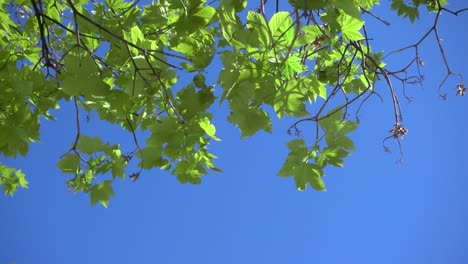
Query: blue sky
{"points": [[374, 211]]}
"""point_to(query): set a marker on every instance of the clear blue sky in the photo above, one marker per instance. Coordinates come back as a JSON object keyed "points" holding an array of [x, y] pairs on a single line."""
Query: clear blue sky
{"points": [[373, 212]]}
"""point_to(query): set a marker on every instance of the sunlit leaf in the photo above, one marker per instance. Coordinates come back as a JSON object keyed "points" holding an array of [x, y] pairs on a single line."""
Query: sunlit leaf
{"points": [[209, 128], [146, 68], [281, 27], [350, 27]]}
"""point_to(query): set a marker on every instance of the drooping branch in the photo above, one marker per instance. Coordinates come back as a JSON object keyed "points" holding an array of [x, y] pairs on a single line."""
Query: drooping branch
{"points": [[77, 133], [134, 176], [417, 60]]}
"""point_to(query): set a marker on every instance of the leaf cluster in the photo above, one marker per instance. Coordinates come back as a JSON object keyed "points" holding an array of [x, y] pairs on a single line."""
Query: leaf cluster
{"points": [[145, 68]]}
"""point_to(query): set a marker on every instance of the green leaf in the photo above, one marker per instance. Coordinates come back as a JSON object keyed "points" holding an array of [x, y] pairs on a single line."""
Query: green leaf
{"points": [[331, 121], [81, 77], [206, 13], [151, 157], [332, 156], [230, 23], [350, 27], [347, 127], [186, 172], [349, 7], [23, 182], [18, 127], [298, 155], [166, 131], [69, 163], [118, 167], [309, 4], [200, 81], [291, 99], [307, 173], [292, 66], [257, 22], [193, 103], [282, 28], [405, 10], [23, 87], [136, 35], [279, 60], [89, 145], [315, 180], [240, 5], [79, 65], [228, 76], [102, 193], [11, 179], [209, 128], [342, 142], [310, 33], [250, 121], [336, 130]]}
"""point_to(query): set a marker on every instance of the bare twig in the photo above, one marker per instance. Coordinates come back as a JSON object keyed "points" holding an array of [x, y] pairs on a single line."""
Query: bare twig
{"points": [[376, 17]]}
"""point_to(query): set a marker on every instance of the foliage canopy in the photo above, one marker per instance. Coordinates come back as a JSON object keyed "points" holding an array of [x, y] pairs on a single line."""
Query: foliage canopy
{"points": [[129, 62]]}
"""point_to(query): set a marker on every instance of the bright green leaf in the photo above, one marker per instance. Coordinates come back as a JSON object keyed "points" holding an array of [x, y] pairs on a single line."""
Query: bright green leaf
{"points": [[350, 27], [136, 34], [282, 28], [209, 128]]}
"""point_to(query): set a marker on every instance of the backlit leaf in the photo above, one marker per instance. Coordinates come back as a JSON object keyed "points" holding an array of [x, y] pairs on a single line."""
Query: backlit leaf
{"points": [[281, 27], [209, 128], [350, 27]]}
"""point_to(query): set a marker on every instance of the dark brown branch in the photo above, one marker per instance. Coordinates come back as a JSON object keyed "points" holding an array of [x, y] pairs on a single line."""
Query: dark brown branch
{"points": [[44, 43], [134, 176], [78, 133], [376, 17], [77, 120], [444, 59], [434, 29], [454, 12]]}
